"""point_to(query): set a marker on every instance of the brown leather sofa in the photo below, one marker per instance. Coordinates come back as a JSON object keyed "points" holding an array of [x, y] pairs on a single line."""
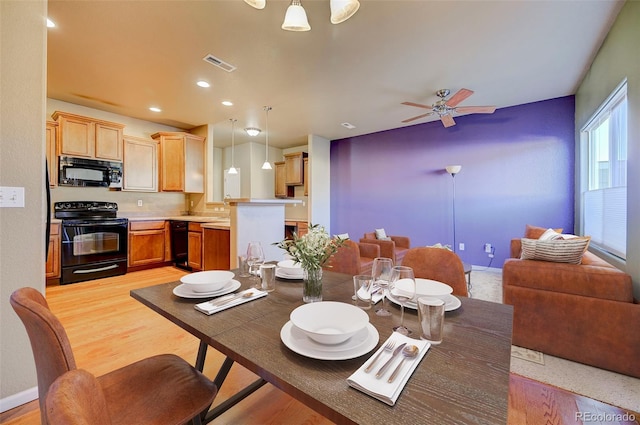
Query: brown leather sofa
{"points": [[395, 248], [582, 312]]}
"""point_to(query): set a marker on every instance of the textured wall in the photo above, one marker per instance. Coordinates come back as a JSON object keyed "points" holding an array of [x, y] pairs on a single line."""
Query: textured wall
{"points": [[517, 168]]}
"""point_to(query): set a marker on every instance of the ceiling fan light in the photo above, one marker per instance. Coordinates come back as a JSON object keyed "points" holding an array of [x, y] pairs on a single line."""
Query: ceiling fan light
{"points": [[341, 10], [252, 131], [296, 18], [258, 4]]}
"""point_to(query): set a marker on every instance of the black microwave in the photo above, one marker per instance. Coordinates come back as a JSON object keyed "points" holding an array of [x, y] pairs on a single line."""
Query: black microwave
{"points": [[80, 172]]}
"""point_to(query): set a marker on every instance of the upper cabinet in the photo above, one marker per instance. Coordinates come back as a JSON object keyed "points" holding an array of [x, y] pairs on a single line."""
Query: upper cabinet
{"points": [[281, 188], [306, 176], [52, 157], [181, 162], [88, 137], [294, 165], [140, 165]]}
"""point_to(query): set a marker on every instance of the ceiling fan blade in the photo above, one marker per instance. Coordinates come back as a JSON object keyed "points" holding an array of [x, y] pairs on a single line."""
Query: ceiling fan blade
{"points": [[418, 117], [447, 120], [461, 95], [417, 105], [476, 109]]}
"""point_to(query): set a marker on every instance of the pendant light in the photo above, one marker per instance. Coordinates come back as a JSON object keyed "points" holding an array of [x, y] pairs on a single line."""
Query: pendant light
{"points": [[341, 10], [267, 164], [296, 18], [258, 4], [233, 170]]}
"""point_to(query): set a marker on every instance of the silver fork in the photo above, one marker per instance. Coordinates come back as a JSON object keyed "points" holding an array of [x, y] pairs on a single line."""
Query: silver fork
{"points": [[387, 347]]}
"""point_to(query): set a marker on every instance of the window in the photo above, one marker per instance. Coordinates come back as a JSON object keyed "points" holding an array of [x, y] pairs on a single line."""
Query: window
{"points": [[604, 175]]}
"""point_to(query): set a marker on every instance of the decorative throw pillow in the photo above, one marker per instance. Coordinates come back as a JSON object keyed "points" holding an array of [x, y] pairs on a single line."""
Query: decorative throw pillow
{"points": [[557, 251], [534, 232], [381, 234], [551, 235], [343, 236]]}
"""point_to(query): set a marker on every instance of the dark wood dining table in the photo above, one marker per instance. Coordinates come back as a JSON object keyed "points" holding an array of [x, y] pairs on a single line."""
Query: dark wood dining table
{"points": [[464, 380]]}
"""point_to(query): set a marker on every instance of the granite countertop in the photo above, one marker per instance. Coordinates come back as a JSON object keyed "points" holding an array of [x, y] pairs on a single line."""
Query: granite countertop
{"points": [[208, 222]]}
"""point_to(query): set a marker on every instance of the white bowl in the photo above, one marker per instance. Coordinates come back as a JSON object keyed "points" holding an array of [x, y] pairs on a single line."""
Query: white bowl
{"points": [[432, 288], [208, 281], [329, 322], [290, 268]]}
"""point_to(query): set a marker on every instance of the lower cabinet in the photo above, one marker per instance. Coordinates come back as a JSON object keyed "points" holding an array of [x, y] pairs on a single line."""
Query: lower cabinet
{"points": [[216, 249], [52, 268], [194, 257], [147, 242]]}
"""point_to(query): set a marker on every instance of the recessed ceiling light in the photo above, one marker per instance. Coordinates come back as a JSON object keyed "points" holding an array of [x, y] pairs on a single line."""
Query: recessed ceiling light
{"points": [[348, 125], [227, 103], [155, 109], [203, 83], [50, 23]]}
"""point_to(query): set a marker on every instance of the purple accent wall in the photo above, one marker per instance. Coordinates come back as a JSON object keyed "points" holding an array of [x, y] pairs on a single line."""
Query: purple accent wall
{"points": [[517, 169]]}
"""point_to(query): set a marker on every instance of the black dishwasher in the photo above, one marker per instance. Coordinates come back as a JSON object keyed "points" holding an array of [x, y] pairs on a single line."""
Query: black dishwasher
{"points": [[180, 243]]}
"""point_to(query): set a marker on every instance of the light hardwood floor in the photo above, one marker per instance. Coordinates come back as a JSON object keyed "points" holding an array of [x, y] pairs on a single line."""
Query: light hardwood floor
{"points": [[108, 329]]}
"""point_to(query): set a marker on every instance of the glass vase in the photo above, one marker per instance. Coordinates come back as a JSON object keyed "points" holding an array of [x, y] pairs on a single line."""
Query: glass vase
{"points": [[312, 285]]}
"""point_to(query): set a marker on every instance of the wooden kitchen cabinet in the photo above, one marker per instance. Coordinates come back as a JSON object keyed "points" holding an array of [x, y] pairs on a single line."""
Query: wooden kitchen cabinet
{"points": [[140, 162], [52, 152], [294, 166], [88, 137], [147, 242], [306, 176], [52, 267], [216, 249], [281, 188], [194, 258], [181, 162]]}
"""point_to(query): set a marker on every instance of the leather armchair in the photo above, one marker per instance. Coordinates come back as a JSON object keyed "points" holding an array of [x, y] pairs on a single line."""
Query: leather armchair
{"points": [[353, 258], [395, 248]]}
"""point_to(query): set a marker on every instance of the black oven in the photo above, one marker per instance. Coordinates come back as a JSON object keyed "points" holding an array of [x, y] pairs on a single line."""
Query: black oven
{"points": [[94, 241]]}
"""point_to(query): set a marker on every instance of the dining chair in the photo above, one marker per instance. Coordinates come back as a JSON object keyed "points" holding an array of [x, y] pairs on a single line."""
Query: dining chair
{"points": [[438, 264], [353, 258], [162, 389]]}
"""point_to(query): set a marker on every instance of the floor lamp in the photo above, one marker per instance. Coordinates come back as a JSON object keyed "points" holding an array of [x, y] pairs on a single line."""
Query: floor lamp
{"points": [[453, 170]]}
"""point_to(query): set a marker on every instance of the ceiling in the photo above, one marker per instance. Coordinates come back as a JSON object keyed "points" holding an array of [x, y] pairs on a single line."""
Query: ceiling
{"points": [[125, 56]]}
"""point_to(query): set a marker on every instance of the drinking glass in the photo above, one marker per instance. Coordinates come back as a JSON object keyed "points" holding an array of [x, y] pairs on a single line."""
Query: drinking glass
{"points": [[403, 288], [255, 257], [381, 274]]}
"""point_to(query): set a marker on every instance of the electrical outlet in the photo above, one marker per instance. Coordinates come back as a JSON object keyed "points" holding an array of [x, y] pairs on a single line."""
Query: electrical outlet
{"points": [[192, 203], [461, 246], [139, 202], [487, 248]]}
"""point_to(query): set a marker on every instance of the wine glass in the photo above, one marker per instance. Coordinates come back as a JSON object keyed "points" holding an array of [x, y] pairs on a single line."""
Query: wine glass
{"points": [[381, 274], [255, 257], [402, 287]]}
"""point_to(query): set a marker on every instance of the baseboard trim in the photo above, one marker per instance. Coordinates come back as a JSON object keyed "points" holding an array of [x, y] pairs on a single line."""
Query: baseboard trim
{"points": [[18, 399]]}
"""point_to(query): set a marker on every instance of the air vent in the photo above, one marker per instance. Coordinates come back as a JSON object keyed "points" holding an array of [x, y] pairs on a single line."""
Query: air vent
{"points": [[219, 63]]}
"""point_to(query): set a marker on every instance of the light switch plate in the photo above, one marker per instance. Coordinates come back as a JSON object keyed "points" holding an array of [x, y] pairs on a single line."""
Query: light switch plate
{"points": [[11, 197]]}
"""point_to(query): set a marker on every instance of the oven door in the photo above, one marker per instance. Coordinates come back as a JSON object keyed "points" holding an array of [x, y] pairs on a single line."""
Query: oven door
{"points": [[93, 241]]}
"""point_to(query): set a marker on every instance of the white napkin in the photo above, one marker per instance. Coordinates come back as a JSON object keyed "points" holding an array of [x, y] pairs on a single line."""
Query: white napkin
{"points": [[379, 387], [210, 307]]}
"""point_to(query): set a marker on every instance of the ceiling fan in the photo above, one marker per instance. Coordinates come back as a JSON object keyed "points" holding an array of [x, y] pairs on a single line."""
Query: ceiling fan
{"points": [[445, 108]]}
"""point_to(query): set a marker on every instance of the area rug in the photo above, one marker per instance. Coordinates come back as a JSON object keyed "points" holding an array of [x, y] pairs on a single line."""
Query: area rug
{"points": [[609, 387]]}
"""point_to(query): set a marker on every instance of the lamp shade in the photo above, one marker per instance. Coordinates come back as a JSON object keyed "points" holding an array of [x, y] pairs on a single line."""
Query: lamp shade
{"points": [[296, 18], [453, 169], [258, 4], [341, 10]]}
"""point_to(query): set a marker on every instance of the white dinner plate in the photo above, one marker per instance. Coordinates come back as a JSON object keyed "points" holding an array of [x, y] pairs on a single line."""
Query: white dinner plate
{"points": [[356, 346], [287, 276], [452, 303], [183, 291]]}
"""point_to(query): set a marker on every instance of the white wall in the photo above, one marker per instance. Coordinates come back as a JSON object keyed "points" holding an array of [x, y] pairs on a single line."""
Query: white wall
{"points": [[619, 57], [320, 177], [22, 163]]}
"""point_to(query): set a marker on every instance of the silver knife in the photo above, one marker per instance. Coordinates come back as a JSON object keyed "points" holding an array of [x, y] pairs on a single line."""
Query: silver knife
{"points": [[222, 301], [386, 365]]}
